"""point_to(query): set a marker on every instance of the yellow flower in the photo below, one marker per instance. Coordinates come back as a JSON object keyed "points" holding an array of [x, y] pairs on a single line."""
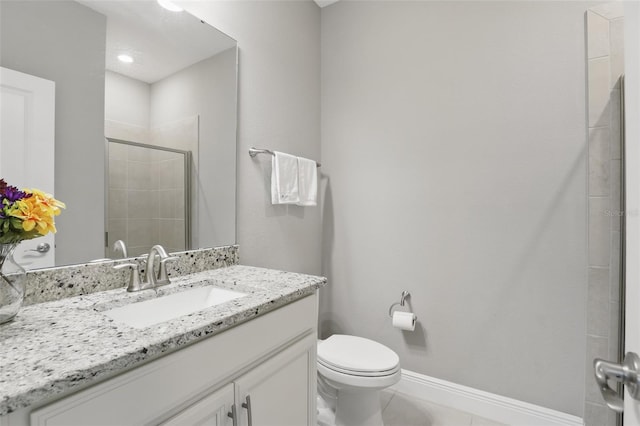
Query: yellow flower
{"points": [[47, 204], [37, 211]]}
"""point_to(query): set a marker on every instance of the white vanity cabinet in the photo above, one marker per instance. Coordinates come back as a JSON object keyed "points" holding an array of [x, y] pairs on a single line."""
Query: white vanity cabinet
{"points": [[265, 368], [274, 393]]}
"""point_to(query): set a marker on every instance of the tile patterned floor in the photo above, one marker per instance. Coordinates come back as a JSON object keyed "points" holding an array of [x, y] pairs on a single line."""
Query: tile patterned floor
{"points": [[399, 409]]}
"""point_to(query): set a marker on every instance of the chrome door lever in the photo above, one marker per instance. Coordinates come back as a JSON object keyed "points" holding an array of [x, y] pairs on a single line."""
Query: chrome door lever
{"points": [[41, 248], [627, 373]]}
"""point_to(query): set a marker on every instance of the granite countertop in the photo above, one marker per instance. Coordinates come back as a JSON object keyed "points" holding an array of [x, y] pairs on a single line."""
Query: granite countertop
{"points": [[52, 347]]}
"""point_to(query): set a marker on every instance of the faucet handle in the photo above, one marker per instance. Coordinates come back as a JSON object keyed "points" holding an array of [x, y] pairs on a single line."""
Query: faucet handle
{"points": [[163, 277], [134, 278]]}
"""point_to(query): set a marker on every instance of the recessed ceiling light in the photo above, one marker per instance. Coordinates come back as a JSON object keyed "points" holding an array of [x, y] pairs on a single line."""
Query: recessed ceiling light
{"points": [[169, 5], [127, 59]]}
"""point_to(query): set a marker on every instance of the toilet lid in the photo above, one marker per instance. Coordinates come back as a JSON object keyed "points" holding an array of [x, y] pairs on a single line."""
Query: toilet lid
{"points": [[357, 354]]}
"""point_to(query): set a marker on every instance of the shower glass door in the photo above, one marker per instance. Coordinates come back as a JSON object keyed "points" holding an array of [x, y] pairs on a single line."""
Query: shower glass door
{"points": [[148, 199]]}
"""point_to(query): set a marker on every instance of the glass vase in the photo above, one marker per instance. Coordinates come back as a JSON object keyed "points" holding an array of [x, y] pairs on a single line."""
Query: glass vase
{"points": [[12, 283]]}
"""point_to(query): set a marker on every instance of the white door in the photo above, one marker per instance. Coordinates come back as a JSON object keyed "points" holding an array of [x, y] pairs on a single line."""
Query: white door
{"points": [[27, 125], [632, 182]]}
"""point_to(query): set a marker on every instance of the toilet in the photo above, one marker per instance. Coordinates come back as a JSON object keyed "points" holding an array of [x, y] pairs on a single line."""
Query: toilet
{"points": [[352, 371]]}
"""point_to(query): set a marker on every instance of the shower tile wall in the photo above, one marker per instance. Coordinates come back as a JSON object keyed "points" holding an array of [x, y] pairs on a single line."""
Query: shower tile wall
{"points": [[146, 199], [170, 193], [605, 66], [118, 207]]}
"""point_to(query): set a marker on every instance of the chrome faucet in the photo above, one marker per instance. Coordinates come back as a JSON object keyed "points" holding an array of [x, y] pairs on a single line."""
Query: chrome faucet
{"points": [[151, 279], [134, 278], [162, 277], [120, 246]]}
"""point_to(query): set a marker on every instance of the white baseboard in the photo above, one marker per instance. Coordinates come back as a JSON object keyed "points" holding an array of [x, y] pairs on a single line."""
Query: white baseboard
{"points": [[484, 404]]}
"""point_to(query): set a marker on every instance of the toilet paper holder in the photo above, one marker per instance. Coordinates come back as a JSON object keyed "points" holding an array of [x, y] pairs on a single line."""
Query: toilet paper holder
{"points": [[403, 297]]}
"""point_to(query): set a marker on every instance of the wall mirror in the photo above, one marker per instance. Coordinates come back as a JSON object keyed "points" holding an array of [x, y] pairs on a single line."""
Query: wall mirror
{"points": [[145, 148]]}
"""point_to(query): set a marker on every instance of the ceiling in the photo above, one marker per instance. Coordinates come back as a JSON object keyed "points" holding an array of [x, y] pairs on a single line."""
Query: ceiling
{"points": [[161, 42]]}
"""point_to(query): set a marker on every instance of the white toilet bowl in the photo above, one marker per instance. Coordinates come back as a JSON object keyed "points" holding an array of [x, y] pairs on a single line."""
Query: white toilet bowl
{"points": [[351, 372]]}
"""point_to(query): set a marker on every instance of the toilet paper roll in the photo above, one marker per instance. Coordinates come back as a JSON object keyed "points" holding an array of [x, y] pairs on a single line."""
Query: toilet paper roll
{"points": [[404, 320]]}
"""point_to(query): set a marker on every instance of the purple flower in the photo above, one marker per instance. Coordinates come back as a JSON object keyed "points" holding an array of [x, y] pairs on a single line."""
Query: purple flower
{"points": [[10, 193]]}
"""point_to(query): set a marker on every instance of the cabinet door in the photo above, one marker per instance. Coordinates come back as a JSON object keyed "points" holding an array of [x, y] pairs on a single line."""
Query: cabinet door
{"points": [[212, 410], [281, 391]]}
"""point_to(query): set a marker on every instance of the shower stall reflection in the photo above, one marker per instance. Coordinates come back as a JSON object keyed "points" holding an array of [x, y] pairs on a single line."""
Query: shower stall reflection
{"points": [[148, 197]]}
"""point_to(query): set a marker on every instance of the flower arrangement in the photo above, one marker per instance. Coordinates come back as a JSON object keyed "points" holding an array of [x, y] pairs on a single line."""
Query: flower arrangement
{"points": [[26, 214]]}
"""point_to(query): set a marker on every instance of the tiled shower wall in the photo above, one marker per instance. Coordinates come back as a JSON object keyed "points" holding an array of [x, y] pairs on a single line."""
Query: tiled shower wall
{"points": [[171, 217], [146, 199], [605, 37]]}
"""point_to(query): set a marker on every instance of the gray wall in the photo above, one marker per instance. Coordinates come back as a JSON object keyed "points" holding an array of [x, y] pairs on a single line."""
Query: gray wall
{"points": [[126, 100], [278, 108], [454, 145], [41, 38]]}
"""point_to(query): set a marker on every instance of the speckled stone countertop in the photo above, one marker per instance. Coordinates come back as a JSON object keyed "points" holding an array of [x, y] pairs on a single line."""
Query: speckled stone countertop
{"points": [[55, 346]]}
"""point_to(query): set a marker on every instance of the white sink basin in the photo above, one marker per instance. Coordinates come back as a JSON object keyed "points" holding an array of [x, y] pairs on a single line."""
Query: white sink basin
{"points": [[165, 308]]}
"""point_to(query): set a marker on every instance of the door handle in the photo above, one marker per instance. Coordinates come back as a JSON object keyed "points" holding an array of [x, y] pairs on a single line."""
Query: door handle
{"points": [[247, 405], [627, 373], [41, 248], [232, 414]]}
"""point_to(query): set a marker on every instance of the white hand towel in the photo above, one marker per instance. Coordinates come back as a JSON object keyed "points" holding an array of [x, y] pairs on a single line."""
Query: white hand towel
{"points": [[284, 179], [307, 182]]}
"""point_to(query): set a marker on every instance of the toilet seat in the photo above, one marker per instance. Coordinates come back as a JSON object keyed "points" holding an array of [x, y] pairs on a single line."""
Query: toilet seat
{"points": [[345, 381], [357, 356], [359, 373]]}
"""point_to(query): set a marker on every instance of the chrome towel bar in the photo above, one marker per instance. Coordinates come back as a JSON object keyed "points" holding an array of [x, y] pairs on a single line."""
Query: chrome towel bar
{"points": [[255, 151]]}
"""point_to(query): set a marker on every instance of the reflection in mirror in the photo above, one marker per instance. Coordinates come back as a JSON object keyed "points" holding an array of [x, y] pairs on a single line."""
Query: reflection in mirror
{"points": [[178, 93], [149, 198]]}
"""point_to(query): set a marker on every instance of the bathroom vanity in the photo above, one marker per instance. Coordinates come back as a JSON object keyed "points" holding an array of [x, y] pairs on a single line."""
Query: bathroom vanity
{"points": [[251, 360]]}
